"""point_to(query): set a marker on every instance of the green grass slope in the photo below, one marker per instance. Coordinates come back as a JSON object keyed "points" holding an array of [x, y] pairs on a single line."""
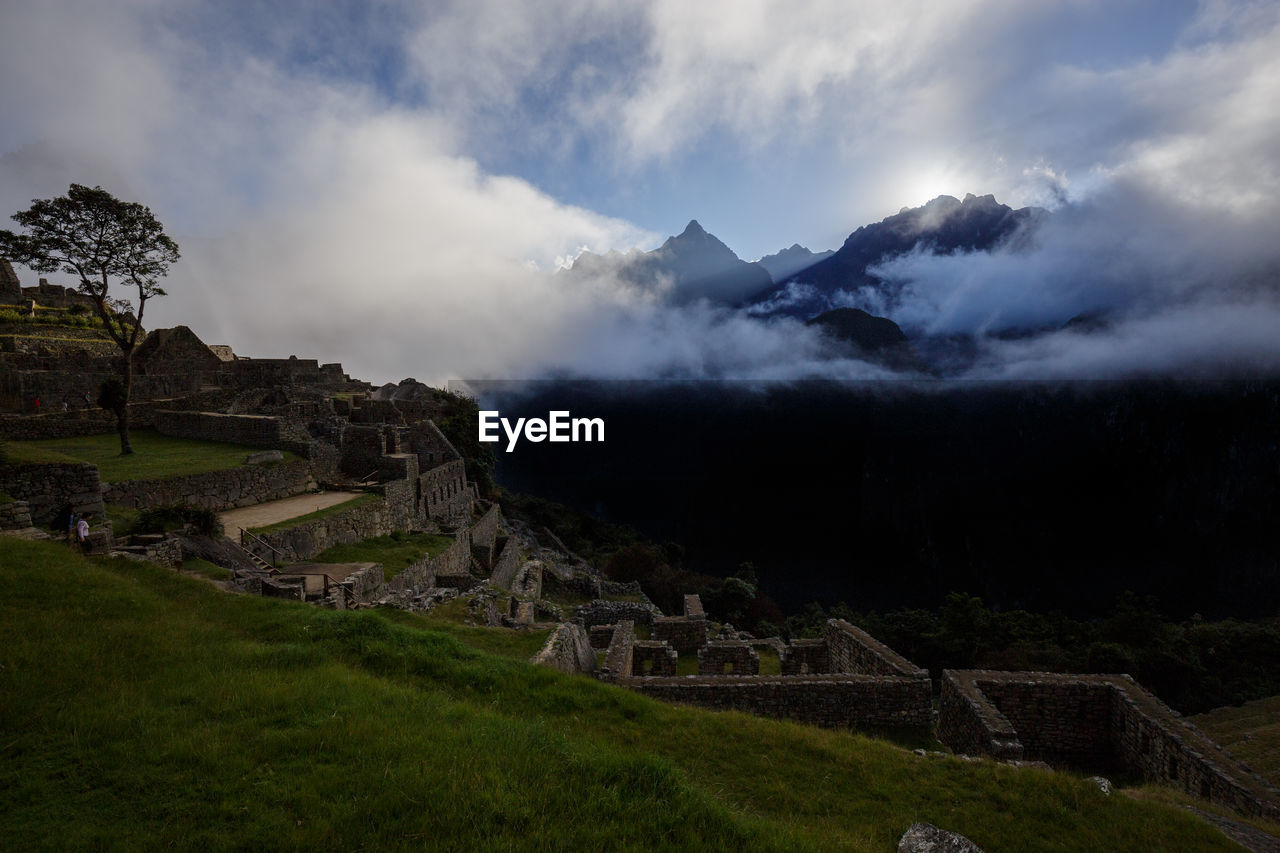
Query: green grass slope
{"points": [[140, 708], [1250, 732], [155, 456]]}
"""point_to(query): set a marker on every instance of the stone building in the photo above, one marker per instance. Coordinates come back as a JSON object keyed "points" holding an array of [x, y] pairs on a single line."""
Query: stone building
{"points": [[176, 350], [10, 286]]}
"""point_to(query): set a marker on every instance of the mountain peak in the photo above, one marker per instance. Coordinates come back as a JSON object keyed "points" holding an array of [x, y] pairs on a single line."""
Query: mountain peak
{"points": [[693, 229]]}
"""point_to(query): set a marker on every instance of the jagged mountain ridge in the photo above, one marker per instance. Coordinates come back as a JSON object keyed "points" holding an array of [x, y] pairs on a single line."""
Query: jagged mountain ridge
{"points": [[785, 263], [693, 264], [942, 226]]}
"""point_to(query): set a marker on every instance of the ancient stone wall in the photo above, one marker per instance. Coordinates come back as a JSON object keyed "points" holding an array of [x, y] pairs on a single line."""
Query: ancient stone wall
{"points": [[851, 649], [363, 586], [653, 658], [15, 515], [1093, 722], [805, 657], [1066, 722], [832, 701], [685, 635], [362, 448], [369, 411], [567, 650], [617, 659], [612, 612], [444, 491], [970, 724], [48, 489], [601, 636], [268, 372], [244, 485], [456, 559], [250, 430], [159, 548], [303, 541], [528, 580], [425, 439], [728, 657], [484, 537], [10, 284], [510, 559], [398, 466], [71, 424], [400, 495]]}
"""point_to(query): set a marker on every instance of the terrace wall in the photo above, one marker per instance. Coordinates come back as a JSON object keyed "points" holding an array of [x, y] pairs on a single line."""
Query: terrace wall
{"points": [[250, 430], [15, 515], [304, 540], [48, 489], [244, 485]]}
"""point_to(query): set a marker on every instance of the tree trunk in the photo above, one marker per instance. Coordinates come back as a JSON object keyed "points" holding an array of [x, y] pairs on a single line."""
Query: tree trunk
{"points": [[122, 413]]}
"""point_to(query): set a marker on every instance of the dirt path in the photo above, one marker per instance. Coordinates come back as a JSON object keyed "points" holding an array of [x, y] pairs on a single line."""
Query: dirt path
{"points": [[261, 515]]}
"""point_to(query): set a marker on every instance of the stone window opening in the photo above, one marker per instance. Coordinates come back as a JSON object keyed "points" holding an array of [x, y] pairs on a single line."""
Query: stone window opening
{"points": [[1173, 768]]}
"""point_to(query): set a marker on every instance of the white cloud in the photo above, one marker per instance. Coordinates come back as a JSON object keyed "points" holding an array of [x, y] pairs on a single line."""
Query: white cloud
{"points": [[348, 216]]}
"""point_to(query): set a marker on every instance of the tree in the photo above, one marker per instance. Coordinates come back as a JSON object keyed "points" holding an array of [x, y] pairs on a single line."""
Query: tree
{"points": [[91, 234]]}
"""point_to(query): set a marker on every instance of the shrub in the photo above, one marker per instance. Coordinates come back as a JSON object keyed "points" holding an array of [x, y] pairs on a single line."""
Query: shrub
{"points": [[164, 518]]}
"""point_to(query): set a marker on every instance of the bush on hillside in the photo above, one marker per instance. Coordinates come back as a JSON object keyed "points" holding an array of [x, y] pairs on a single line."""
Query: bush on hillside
{"points": [[165, 518]]}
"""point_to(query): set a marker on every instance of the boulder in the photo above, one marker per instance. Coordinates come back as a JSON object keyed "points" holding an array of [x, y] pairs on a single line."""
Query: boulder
{"points": [[264, 457], [927, 838]]}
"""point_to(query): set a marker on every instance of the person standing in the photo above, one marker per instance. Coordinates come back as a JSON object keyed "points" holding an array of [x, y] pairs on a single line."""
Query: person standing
{"points": [[72, 518], [82, 532]]}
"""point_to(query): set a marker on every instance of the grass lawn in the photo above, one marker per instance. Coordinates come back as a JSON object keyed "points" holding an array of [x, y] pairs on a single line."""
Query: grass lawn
{"points": [[140, 708], [155, 456], [396, 552], [319, 514], [207, 569], [1250, 732], [453, 618]]}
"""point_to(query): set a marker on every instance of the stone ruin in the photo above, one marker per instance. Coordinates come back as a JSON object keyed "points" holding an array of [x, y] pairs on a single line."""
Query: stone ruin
{"points": [[169, 364], [1094, 724], [1105, 724], [845, 679]]}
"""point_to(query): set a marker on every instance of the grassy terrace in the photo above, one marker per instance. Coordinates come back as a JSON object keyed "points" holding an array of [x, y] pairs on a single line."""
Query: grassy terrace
{"points": [[140, 708], [319, 514], [155, 456], [396, 552], [1250, 732]]}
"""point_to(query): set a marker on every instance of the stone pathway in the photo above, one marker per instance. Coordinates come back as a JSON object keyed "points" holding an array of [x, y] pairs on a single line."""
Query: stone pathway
{"points": [[1248, 837], [260, 515]]}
